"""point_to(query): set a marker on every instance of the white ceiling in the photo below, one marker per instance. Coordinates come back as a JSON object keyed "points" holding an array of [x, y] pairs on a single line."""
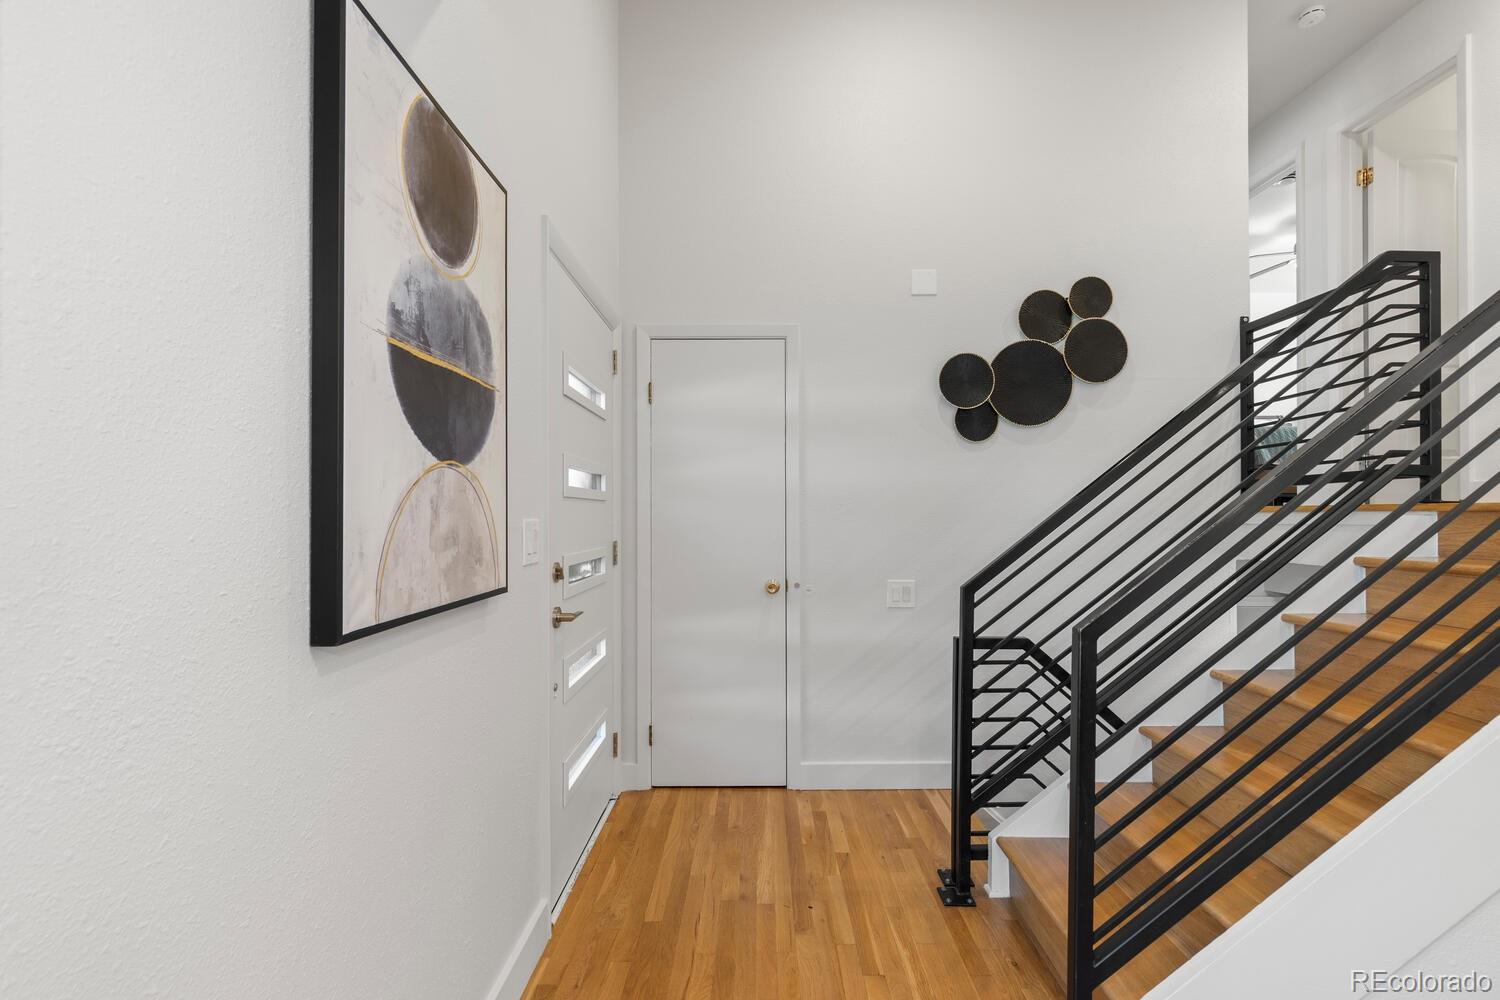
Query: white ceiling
{"points": [[1285, 59]]}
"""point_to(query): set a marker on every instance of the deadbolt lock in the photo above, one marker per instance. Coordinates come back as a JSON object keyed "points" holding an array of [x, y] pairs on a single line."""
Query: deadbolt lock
{"points": [[557, 573], [773, 586]]}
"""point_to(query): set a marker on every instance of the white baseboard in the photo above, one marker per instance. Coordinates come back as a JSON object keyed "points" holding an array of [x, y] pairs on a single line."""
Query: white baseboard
{"points": [[870, 774], [516, 972]]}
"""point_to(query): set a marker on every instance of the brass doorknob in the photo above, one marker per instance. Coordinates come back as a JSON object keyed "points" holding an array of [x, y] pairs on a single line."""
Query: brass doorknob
{"points": [[561, 617], [773, 587]]}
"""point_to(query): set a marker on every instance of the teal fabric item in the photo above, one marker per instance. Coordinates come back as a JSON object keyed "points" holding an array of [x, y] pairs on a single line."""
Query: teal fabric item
{"points": [[1272, 446]]}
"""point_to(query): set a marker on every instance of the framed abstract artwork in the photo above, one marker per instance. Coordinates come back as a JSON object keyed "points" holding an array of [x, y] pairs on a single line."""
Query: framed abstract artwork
{"points": [[408, 344]]}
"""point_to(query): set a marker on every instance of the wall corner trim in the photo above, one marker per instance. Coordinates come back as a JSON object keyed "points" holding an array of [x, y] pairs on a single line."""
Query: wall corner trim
{"points": [[522, 960]]}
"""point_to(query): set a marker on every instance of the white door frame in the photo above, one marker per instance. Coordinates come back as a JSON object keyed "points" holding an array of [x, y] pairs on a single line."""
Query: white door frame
{"points": [[1346, 217], [1345, 248], [554, 247], [790, 335]]}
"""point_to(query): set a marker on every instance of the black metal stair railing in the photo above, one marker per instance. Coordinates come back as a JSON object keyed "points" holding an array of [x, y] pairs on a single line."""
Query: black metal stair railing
{"points": [[1264, 772], [1306, 369]]}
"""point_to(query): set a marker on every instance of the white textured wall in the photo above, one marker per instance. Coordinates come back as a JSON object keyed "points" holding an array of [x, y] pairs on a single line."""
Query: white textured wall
{"points": [[193, 803], [783, 161], [1467, 946]]}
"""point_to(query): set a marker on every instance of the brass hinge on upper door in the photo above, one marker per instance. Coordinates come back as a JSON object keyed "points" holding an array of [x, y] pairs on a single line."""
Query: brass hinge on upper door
{"points": [[650, 393], [615, 746], [614, 362], [651, 736], [1364, 177], [615, 553]]}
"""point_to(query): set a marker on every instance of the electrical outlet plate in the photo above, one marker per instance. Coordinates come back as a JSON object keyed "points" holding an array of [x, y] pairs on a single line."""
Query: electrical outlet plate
{"points": [[900, 593], [531, 541]]}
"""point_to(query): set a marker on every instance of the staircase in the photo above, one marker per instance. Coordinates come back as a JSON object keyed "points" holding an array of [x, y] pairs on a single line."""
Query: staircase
{"points": [[1162, 759], [1039, 866]]}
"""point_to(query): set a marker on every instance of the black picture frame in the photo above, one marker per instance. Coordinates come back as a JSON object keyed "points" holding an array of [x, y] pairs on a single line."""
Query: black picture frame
{"points": [[327, 407]]}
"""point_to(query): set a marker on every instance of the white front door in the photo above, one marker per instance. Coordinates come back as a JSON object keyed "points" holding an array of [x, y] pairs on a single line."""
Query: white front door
{"points": [[584, 569], [718, 562]]}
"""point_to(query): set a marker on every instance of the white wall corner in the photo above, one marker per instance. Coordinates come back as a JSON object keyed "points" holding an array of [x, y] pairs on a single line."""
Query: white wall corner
{"points": [[635, 777], [516, 972]]}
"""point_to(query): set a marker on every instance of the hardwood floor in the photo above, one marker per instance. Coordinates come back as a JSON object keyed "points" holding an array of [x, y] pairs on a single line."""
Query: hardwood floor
{"points": [[764, 894]]}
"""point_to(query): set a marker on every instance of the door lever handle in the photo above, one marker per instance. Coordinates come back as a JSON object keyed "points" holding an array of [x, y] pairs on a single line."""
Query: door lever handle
{"points": [[561, 617]]}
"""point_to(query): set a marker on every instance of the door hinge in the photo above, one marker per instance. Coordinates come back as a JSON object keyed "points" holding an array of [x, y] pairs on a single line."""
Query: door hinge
{"points": [[1364, 177], [651, 736], [614, 362], [615, 553], [615, 746], [650, 393]]}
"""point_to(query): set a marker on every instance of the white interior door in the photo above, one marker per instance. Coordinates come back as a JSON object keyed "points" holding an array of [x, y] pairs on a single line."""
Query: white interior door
{"points": [[581, 550], [718, 562]]}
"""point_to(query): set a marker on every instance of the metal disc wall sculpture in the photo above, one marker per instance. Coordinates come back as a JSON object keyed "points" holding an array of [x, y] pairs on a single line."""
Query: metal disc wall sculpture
{"points": [[1032, 383], [1029, 382], [1095, 350], [1046, 316], [967, 380]]}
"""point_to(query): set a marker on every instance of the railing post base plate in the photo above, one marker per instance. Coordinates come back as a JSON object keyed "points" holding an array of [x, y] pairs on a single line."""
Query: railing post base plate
{"points": [[951, 895]]}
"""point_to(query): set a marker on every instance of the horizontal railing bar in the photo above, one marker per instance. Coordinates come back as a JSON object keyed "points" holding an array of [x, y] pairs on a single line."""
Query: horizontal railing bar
{"points": [[1307, 718], [1393, 312], [1424, 365], [1377, 278], [1024, 759], [1234, 586], [1351, 363], [1386, 478], [1169, 428], [1282, 817], [1166, 510], [1285, 646], [1185, 554]]}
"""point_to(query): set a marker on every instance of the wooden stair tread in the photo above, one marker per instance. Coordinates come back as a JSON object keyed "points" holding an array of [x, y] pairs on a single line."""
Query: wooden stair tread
{"points": [[1464, 567], [1439, 737], [1347, 810], [1043, 863], [1435, 638], [1229, 904], [1040, 865]]}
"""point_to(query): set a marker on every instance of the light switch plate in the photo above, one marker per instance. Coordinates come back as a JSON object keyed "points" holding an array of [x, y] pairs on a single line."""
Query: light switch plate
{"points": [[531, 541], [900, 593], [924, 281]]}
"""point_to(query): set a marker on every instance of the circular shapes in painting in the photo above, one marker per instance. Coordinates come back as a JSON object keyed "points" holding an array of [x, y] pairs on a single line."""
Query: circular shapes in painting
{"points": [[1095, 350], [440, 186], [1032, 383], [966, 381], [1090, 297], [440, 546], [976, 423], [442, 360], [1045, 316]]}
